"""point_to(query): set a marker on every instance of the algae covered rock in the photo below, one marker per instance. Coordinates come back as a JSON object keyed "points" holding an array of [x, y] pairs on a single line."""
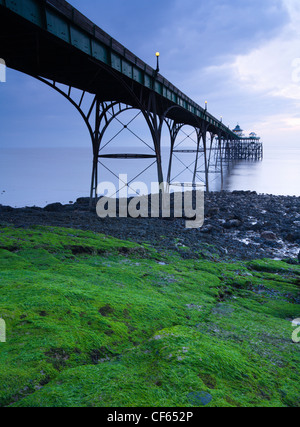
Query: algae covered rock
{"points": [[96, 321]]}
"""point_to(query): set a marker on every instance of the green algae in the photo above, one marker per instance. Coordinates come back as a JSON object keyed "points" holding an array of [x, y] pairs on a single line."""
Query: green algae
{"points": [[96, 321]]}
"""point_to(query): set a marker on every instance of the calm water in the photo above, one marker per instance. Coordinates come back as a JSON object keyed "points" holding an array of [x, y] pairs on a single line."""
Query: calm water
{"points": [[41, 176], [278, 173]]}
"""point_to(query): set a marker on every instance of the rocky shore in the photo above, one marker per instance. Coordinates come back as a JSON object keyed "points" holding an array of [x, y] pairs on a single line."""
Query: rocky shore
{"points": [[238, 225]]}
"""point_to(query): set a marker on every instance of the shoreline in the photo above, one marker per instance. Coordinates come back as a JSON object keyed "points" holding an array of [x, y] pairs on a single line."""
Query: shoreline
{"points": [[238, 225]]}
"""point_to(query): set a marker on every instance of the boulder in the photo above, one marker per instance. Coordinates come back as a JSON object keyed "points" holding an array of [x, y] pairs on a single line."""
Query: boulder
{"points": [[233, 223], [54, 207], [83, 201], [5, 209], [269, 235]]}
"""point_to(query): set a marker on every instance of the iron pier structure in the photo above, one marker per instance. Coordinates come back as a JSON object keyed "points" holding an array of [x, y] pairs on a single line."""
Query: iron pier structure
{"points": [[244, 149], [53, 42]]}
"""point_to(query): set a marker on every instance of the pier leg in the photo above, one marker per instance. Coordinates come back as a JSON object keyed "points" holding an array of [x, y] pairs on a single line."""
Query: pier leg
{"points": [[204, 136], [221, 161], [96, 140], [174, 129]]}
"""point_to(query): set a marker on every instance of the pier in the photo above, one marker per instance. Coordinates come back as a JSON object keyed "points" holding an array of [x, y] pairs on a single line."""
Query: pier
{"points": [[53, 42]]}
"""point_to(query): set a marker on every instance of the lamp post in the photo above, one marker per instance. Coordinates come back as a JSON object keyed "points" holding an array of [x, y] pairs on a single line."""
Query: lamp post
{"points": [[157, 66], [205, 105]]}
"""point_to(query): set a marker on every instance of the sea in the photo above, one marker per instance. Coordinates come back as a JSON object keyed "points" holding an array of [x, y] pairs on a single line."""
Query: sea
{"points": [[41, 176]]}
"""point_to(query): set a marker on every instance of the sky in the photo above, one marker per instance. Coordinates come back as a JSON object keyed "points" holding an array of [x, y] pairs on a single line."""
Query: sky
{"points": [[242, 56]]}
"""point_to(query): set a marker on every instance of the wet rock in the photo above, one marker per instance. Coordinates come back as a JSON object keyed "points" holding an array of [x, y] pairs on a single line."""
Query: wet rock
{"points": [[207, 229], [293, 237], [54, 207], [269, 235], [233, 223], [212, 212], [6, 209], [83, 201], [34, 208]]}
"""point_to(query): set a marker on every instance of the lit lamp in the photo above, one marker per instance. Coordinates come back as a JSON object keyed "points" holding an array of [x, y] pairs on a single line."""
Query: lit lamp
{"points": [[205, 105], [157, 57]]}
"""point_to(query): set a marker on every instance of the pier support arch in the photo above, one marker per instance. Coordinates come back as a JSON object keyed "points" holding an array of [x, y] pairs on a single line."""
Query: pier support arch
{"points": [[99, 117]]}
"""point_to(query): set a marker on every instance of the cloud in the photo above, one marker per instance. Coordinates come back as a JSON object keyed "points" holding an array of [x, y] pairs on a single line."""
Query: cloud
{"points": [[274, 67], [260, 87], [198, 32]]}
